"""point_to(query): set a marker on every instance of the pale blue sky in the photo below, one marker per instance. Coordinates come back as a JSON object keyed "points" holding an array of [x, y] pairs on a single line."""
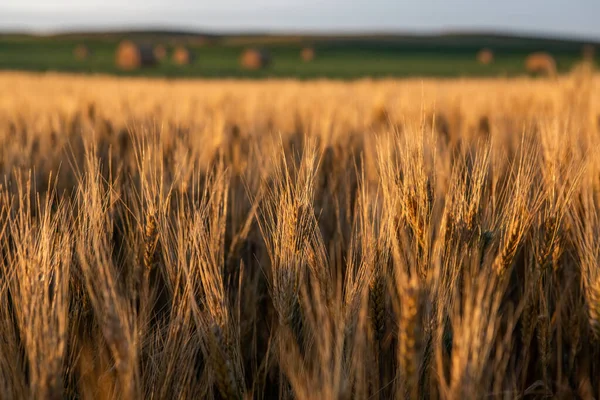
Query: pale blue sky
{"points": [[574, 18]]}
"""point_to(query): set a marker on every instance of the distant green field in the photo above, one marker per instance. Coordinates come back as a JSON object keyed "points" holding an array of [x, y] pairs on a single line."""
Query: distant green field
{"points": [[344, 58]]}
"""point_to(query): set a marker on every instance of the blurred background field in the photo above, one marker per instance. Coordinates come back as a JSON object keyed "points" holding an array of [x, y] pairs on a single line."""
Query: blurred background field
{"points": [[336, 56]]}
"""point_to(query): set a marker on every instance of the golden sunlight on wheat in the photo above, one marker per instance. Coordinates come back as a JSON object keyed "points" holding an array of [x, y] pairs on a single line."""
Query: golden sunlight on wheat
{"points": [[312, 240]]}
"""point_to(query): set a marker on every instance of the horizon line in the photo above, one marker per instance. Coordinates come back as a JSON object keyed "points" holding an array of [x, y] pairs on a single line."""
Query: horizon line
{"points": [[186, 30]]}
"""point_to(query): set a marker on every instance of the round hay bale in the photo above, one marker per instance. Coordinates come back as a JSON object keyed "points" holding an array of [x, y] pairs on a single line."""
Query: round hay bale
{"points": [[81, 52], [485, 57], [540, 63], [183, 56], [255, 59], [160, 52], [589, 52], [130, 55], [307, 54]]}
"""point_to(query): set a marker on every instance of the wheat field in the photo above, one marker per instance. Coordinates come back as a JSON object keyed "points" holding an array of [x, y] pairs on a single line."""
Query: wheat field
{"points": [[370, 239]]}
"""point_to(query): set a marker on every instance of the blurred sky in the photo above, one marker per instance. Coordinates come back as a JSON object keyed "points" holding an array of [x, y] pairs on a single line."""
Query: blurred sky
{"points": [[570, 18]]}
